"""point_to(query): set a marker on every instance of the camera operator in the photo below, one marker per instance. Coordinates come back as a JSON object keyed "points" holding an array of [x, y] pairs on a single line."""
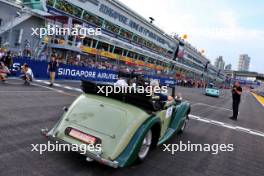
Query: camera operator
{"points": [[3, 72], [236, 95], [27, 74]]}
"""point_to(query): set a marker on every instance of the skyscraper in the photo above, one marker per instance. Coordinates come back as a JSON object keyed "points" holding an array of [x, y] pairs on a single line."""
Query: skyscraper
{"points": [[243, 62], [228, 67], [220, 63]]}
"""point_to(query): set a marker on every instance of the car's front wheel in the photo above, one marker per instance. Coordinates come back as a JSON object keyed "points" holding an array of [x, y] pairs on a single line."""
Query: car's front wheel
{"points": [[145, 146]]}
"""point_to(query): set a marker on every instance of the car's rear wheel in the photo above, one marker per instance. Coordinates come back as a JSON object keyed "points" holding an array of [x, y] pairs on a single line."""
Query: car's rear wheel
{"points": [[145, 146], [183, 126]]}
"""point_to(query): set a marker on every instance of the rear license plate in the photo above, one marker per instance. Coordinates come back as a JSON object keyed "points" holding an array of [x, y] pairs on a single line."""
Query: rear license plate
{"points": [[82, 136]]}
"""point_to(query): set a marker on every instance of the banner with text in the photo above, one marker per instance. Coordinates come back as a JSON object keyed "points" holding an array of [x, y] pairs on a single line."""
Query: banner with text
{"points": [[70, 72]]}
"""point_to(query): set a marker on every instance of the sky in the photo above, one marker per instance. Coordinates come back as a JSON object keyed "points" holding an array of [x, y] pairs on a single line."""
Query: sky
{"points": [[220, 27]]}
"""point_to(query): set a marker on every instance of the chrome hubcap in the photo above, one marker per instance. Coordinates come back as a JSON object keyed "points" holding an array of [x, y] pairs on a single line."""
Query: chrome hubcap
{"points": [[145, 146]]}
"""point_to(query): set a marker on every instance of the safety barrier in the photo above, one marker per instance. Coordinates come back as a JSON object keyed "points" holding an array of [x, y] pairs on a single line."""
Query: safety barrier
{"points": [[70, 72]]}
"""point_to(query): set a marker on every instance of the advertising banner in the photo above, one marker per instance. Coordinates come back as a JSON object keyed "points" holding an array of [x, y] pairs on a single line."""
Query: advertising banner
{"points": [[70, 72]]}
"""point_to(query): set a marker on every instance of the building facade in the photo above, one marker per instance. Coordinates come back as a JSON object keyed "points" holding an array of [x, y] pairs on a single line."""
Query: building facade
{"points": [[220, 63], [243, 62], [127, 38], [228, 67]]}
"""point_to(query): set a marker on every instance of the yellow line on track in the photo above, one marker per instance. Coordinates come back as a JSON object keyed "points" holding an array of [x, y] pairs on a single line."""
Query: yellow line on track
{"points": [[259, 98]]}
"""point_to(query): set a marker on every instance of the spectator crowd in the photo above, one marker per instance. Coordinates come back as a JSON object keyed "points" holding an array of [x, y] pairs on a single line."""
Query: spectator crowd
{"points": [[191, 83], [100, 63]]}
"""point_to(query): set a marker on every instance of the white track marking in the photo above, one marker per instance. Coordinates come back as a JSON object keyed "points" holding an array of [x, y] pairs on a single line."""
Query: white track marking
{"points": [[55, 85], [243, 129], [203, 104], [217, 122], [226, 125], [78, 90], [8, 83], [21, 91], [60, 85], [230, 126], [56, 90], [67, 87]]}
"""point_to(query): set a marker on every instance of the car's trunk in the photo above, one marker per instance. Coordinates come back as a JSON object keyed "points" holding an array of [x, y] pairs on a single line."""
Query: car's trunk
{"points": [[112, 121]]}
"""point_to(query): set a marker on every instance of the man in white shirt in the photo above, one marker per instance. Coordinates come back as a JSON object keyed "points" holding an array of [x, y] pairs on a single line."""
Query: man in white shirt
{"points": [[121, 82], [27, 74]]}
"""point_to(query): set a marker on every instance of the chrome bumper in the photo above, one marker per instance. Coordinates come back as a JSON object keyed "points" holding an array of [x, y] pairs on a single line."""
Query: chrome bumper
{"points": [[90, 156]]}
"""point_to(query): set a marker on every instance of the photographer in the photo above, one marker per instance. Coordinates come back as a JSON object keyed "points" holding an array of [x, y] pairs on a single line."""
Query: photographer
{"points": [[7, 59], [3, 72], [27, 74], [121, 82], [236, 95]]}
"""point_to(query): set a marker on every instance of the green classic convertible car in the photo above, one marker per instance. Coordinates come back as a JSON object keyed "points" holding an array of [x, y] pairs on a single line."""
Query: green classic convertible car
{"points": [[126, 126], [212, 90]]}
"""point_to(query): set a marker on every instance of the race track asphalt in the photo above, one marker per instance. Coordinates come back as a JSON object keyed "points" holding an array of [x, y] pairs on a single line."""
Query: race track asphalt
{"points": [[25, 110]]}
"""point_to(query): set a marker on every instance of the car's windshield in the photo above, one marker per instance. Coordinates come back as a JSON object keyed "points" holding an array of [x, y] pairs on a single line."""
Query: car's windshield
{"points": [[211, 85]]}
